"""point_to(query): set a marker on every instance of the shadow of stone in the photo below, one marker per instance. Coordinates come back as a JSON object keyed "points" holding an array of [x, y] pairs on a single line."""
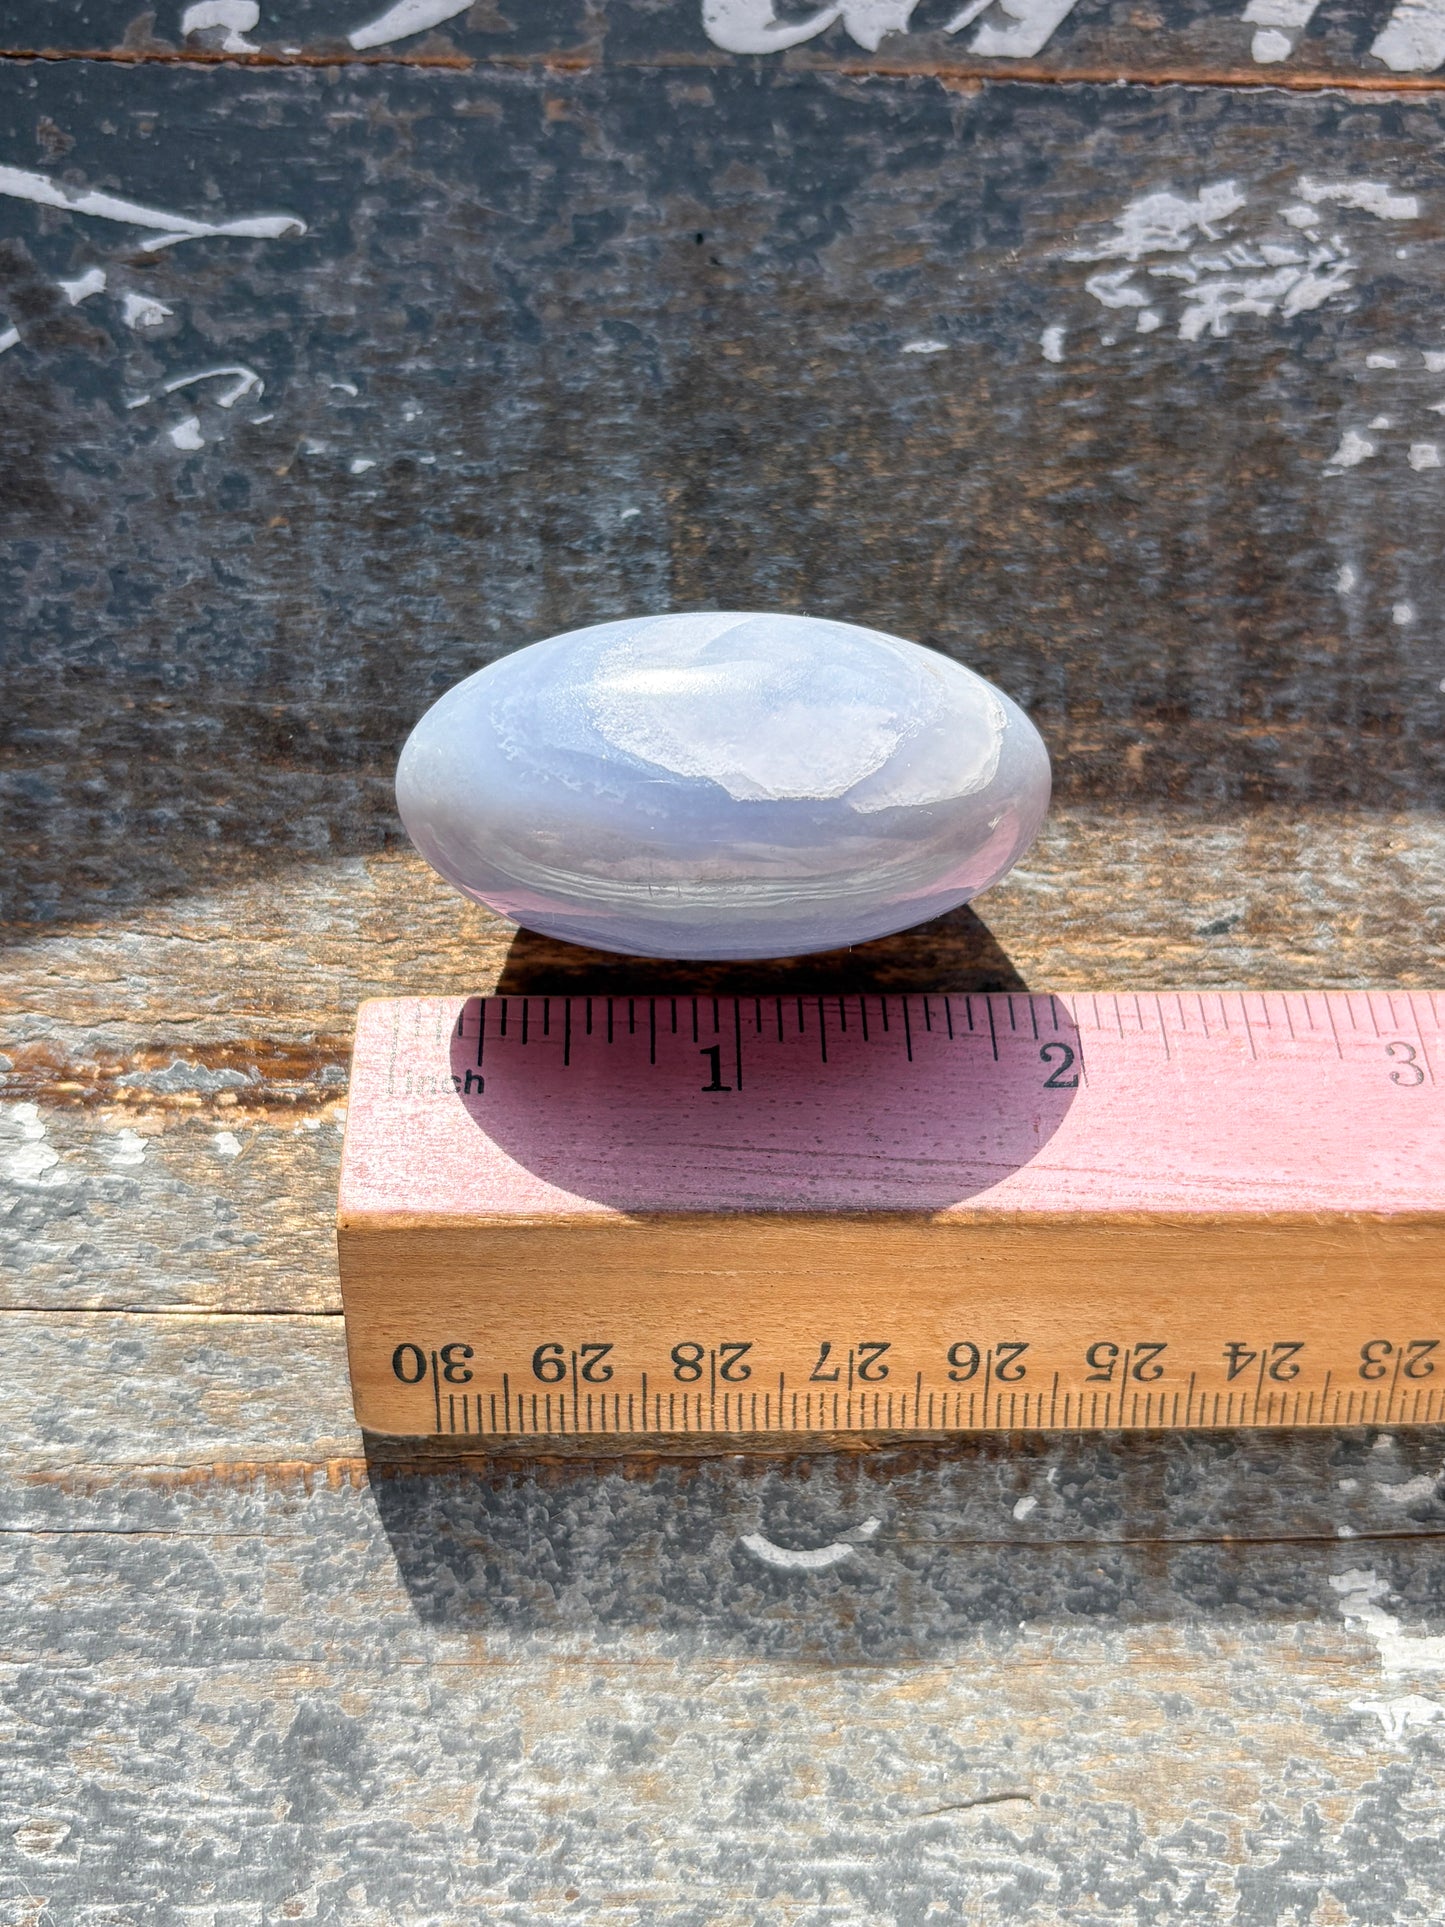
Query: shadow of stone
{"points": [[953, 952], [926, 1545], [847, 1108]]}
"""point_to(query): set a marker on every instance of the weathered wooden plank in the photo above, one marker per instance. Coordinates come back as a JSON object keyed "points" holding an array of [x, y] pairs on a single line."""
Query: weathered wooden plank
{"points": [[128, 1389], [257, 1668], [1266, 42], [1172, 545], [238, 1686], [145, 1408], [170, 1117], [1003, 1785], [134, 1210], [279, 962]]}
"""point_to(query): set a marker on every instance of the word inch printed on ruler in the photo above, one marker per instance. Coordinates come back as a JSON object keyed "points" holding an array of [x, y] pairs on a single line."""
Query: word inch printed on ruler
{"points": [[763, 1216]]}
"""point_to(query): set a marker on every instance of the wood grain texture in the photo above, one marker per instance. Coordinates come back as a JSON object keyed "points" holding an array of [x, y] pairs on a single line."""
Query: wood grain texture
{"points": [[1200, 41], [258, 1668], [246, 1667], [1148, 543], [215, 1028]]}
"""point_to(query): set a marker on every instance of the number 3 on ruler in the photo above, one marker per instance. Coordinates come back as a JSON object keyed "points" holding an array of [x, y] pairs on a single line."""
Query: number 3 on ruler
{"points": [[1409, 1072]]}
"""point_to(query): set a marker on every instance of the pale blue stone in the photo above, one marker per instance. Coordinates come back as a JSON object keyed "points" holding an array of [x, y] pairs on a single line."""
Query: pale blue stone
{"points": [[718, 786]]}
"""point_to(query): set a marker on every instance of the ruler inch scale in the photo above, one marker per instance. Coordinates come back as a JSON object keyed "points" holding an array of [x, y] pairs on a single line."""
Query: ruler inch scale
{"points": [[778, 1218]]}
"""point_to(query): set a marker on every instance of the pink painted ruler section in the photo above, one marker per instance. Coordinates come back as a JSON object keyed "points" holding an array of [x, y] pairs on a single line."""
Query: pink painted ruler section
{"points": [[1221, 1104]]}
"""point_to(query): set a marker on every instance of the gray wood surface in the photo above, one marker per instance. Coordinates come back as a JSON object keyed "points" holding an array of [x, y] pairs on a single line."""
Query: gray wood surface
{"points": [[590, 314]]}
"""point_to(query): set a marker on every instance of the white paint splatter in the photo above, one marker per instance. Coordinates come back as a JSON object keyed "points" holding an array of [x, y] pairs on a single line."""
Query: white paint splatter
{"points": [[1424, 455], [247, 382], [361, 464], [1435, 360], [1025, 1506], [30, 1161], [227, 1144], [1403, 614], [187, 433], [924, 348], [1375, 197], [1219, 276], [869, 22], [1344, 583], [9, 339], [127, 1148], [1354, 448], [21, 185], [1269, 45], [626, 515], [404, 19], [1400, 1652], [237, 17], [1408, 1491], [1381, 421], [346, 387], [1051, 342], [1031, 26], [1398, 1714], [84, 286], [1116, 289], [1283, 22], [1210, 304], [1166, 223], [815, 1559], [1382, 361], [753, 27], [143, 310], [1412, 40]]}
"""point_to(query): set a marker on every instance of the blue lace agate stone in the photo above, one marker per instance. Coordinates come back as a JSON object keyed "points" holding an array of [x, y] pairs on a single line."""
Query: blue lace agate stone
{"points": [[721, 786]]}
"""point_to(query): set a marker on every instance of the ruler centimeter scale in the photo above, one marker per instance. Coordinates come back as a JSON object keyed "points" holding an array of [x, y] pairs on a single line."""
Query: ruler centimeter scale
{"points": [[925, 1213]]}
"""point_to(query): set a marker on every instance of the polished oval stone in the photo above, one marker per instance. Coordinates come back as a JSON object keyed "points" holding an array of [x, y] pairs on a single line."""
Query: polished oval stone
{"points": [[723, 785]]}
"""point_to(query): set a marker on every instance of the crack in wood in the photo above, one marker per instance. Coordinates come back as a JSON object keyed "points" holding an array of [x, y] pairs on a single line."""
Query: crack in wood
{"points": [[1016, 1795], [952, 75], [244, 1078]]}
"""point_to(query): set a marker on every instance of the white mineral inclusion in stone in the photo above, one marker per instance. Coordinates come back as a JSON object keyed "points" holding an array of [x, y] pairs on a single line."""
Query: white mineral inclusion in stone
{"points": [[723, 786]]}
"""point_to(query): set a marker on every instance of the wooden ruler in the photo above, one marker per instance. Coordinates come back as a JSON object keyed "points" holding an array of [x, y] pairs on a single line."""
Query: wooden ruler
{"points": [[908, 1214]]}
